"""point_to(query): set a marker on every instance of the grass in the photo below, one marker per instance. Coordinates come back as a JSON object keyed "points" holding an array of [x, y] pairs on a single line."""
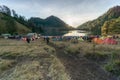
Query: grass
{"points": [[25, 71], [101, 54], [55, 70], [72, 49], [6, 64], [113, 67], [19, 60], [97, 56], [35, 61]]}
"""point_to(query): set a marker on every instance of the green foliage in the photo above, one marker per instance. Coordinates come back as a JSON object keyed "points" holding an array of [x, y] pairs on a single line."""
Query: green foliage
{"points": [[73, 50], [95, 25], [111, 27], [113, 67], [49, 26], [97, 56], [4, 9], [10, 25]]}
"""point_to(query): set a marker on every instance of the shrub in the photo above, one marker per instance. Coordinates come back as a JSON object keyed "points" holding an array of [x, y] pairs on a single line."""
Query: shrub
{"points": [[72, 49], [98, 56], [113, 67]]}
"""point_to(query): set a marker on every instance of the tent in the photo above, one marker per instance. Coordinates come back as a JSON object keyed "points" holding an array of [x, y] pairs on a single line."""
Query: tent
{"points": [[80, 39], [97, 40], [109, 40]]}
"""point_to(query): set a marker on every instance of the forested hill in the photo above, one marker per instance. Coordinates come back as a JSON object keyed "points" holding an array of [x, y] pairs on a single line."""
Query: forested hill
{"points": [[51, 21], [11, 22], [52, 25], [8, 24], [96, 25]]}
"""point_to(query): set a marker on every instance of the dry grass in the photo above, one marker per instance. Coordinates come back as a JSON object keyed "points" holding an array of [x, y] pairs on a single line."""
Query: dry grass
{"points": [[101, 54], [34, 61], [6, 64]]}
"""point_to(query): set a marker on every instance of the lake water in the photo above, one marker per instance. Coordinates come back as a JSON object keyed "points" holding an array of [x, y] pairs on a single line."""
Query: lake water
{"points": [[76, 33]]}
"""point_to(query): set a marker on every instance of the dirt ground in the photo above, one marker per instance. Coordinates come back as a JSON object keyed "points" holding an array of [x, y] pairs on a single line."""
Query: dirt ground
{"points": [[80, 68]]}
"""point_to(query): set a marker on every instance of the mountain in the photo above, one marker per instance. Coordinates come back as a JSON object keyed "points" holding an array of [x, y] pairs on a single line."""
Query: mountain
{"points": [[9, 25], [52, 25], [96, 25], [11, 22], [53, 21]]}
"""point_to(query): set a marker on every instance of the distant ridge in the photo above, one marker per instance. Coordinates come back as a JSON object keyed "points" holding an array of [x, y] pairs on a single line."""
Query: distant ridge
{"points": [[95, 26], [52, 25]]}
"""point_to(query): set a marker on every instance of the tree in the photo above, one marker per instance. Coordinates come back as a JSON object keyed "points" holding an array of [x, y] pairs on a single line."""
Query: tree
{"points": [[1, 9], [111, 27], [15, 15], [6, 10]]}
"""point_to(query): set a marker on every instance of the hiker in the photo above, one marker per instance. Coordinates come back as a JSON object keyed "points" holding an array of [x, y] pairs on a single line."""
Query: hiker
{"points": [[47, 39], [44, 38], [28, 40]]}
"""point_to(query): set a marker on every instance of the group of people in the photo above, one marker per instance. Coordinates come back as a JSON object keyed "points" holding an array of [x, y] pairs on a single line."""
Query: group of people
{"points": [[46, 39], [66, 38]]}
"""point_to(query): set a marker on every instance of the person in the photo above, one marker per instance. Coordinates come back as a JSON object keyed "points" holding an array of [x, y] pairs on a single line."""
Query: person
{"points": [[44, 38], [47, 39], [28, 40]]}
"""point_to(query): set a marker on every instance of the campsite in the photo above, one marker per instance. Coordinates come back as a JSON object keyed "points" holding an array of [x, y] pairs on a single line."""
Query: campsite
{"points": [[57, 59], [59, 39]]}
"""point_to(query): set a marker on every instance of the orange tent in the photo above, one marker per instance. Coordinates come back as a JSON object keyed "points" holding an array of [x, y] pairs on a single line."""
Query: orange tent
{"points": [[97, 40]]}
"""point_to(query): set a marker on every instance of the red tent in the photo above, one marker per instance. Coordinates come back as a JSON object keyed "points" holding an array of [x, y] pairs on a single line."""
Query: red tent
{"points": [[109, 41]]}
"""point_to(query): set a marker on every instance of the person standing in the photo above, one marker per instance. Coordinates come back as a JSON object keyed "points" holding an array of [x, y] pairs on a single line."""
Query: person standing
{"points": [[28, 40], [47, 39]]}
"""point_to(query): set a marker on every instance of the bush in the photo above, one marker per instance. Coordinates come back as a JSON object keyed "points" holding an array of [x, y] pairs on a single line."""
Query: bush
{"points": [[98, 56], [73, 49], [113, 67]]}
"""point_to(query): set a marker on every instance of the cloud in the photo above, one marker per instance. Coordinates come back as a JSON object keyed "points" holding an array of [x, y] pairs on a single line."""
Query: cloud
{"points": [[74, 12]]}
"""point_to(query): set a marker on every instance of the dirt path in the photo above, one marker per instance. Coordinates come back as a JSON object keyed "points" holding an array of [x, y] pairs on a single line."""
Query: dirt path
{"points": [[80, 68]]}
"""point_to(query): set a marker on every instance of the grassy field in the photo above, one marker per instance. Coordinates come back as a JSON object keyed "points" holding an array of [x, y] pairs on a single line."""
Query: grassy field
{"points": [[38, 61], [35, 61], [107, 56]]}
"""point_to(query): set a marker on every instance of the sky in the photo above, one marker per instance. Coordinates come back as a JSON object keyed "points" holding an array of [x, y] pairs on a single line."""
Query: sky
{"points": [[73, 12]]}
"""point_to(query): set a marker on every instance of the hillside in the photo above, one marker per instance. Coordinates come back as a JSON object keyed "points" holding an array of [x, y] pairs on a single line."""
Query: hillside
{"points": [[53, 21], [51, 25], [9, 25], [111, 27], [95, 25]]}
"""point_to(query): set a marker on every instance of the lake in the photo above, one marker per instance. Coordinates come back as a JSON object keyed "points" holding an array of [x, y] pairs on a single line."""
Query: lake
{"points": [[76, 33]]}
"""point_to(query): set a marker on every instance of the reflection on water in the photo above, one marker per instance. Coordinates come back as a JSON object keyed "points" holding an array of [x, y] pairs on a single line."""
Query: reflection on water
{"points": [[76, 33]]}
